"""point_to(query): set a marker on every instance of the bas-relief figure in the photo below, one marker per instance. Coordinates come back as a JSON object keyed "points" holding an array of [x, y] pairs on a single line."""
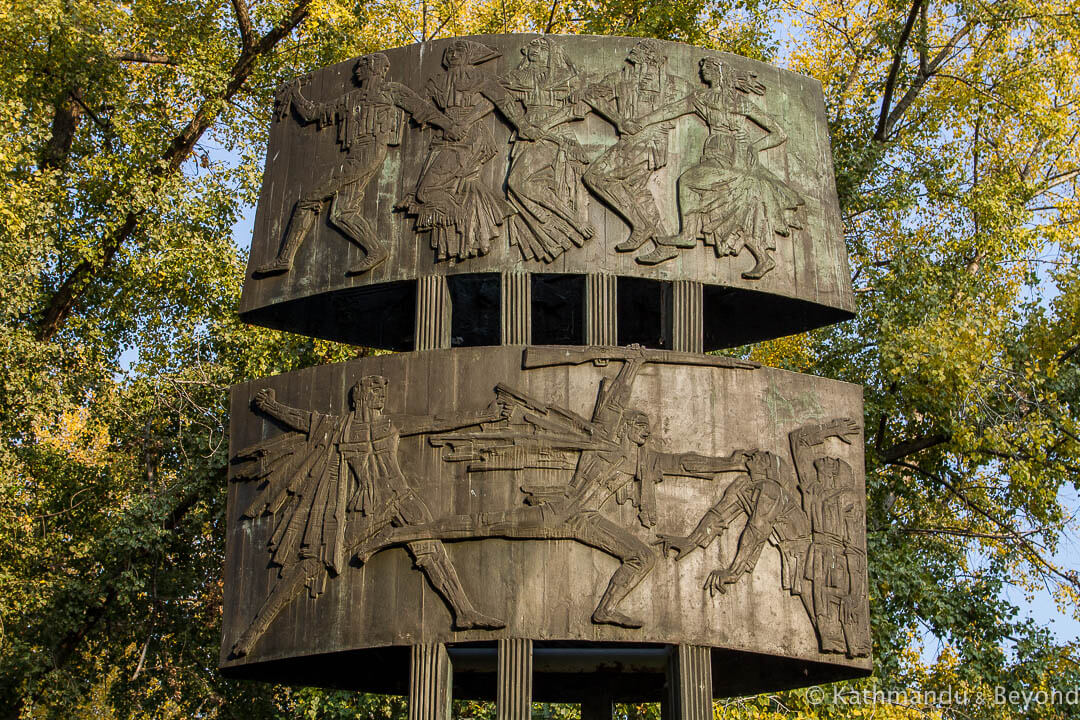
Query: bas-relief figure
{"points": [[336, 490], [544, 183], [330, 483], [620, 175], [814, 519], [728, 199], [368, 119], [451, 200]]}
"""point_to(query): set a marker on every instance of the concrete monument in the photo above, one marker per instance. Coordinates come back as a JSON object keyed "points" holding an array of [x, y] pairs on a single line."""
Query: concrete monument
{"points": [[552, 493]]}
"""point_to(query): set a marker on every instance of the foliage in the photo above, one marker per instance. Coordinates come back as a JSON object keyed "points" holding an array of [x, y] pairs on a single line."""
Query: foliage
{"points": [[131, 137]]}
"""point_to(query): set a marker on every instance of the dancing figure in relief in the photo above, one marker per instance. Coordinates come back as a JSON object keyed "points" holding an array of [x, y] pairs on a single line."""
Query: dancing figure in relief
{"points": [[728, 199], [451, 200], [369, 120], [331, 482], [621, 174], [544, 184]]}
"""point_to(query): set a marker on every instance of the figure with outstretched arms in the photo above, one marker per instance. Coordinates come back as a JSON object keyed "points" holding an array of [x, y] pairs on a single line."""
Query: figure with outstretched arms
{"points": [[369, 119], [814, 520], [616, 461], [336, 480], [728, 199]]}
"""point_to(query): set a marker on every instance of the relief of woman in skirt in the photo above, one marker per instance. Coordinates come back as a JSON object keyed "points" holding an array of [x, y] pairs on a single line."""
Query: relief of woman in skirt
{"points": [[728, 199], [544, 183], [451, 201]]}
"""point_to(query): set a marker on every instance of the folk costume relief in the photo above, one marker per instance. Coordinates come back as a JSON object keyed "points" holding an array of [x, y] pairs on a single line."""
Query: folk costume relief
{"points": [[334, 489], [472, 488], [369, 119], [620, 175], [544, 183], [728, 199], [463, 215]]}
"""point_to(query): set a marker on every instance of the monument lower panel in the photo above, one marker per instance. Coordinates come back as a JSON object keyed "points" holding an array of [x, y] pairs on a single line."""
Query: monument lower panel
{"points": [[581, 497]]}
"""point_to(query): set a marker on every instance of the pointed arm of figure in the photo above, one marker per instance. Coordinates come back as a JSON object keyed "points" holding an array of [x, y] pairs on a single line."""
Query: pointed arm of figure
{"points": [[601, 98], [420, 109], [266, 402], [775, 135], [712, 524], [807, 437], [425, 424], [310, 111], [704, 466], [671, 111]]}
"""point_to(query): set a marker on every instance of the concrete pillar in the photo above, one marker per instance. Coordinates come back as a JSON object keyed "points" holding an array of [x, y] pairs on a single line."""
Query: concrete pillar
{"points": [[432, 313], [601, 323], [686, 317], [430, 680], [516, 308], [689, 684], [514, 693]]}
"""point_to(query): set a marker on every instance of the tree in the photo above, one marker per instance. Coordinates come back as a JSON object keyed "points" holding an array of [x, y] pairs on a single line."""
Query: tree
{"points": [[132, 137]]}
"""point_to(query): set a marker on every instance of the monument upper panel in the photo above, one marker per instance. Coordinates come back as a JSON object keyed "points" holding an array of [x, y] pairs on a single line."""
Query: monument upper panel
{"points": [[547, 154]]}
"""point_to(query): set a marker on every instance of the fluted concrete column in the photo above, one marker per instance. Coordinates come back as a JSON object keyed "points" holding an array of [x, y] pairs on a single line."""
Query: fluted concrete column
{"points": [[430, 680], [514, 694], [432, 313], [516, 308], [689, 677], [686, 319], [601, 324]]}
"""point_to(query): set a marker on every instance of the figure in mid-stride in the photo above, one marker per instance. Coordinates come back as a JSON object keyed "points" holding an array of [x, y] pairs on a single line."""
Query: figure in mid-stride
{"points": [[369, 120], [728, 199]]}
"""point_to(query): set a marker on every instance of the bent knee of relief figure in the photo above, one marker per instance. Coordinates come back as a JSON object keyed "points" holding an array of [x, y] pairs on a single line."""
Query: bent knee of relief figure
{"points": [[307, 474], [369, 118]]}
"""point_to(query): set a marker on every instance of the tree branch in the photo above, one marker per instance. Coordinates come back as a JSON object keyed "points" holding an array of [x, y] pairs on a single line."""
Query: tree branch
{"points": [[65, 298], [894, 71], [961, 532], [1013, 534], [1060, 179], [146, 58], [902, 450], [66, 116], [920, 80], [243, 21], [551, 16]]}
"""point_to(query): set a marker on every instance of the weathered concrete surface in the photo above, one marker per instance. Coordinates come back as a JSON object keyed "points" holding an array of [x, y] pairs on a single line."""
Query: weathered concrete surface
{"points": [[544, 575], [750, 155]]}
